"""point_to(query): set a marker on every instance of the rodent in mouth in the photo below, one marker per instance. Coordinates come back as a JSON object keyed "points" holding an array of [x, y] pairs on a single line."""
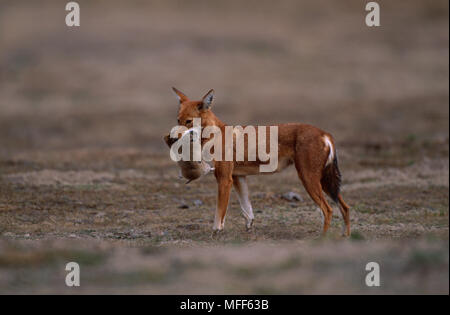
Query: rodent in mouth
{"points": [[191, 170]]}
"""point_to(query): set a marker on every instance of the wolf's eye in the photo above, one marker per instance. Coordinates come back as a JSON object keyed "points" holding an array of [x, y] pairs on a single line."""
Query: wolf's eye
{"points": [[188, 121]]}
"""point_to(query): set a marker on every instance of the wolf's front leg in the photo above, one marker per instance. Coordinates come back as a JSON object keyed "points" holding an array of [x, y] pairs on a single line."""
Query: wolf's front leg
{"points": [[240, 185], [224, 183]]}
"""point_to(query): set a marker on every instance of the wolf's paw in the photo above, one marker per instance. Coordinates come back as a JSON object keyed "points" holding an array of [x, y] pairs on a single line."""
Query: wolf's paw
{"points": [[249, 225]]}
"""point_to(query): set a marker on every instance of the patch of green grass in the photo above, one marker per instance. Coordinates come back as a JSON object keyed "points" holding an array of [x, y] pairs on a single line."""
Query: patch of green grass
{"points": [[152, 250], [290, 263], [411, 138], [266, 290], [134, 277], [246, 271], [368, 180], [357, 236], [410, 162], [22, 258], [427, 259], [362, 208], [253, 271], [85, 258]]}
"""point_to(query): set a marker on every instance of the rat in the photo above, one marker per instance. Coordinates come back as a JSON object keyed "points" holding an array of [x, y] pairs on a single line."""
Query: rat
{"points": [[191, 170]]}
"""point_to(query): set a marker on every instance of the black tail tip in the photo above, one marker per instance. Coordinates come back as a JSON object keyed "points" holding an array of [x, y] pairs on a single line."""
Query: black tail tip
{"points": [[331, 180]]}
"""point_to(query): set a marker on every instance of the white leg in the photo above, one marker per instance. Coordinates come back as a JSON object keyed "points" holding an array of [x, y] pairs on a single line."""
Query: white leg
{"points": [[240, 185], [218, 226]]}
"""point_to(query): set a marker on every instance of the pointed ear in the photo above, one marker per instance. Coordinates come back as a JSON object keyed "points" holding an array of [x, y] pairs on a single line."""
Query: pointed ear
{"points": [[181, 97], [207, 100]]}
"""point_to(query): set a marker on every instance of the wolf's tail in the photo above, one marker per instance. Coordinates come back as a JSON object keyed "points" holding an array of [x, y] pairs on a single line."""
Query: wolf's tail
{"points": [[331, 176]]}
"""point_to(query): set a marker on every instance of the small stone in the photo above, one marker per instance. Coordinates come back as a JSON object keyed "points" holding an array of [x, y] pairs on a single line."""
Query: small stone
{"points": [[197, 202], [183, 206], [292, 196]]}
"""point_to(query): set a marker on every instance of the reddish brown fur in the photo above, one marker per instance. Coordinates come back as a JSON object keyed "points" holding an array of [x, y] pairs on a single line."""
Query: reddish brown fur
{"points": [[299, 144]]}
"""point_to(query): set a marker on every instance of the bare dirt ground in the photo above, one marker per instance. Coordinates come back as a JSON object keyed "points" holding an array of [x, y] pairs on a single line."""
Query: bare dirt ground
{"points": [[85, 175]]}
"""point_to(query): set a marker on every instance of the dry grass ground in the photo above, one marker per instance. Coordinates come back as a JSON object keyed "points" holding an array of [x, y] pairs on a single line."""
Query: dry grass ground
{"points": [[85, 175]]}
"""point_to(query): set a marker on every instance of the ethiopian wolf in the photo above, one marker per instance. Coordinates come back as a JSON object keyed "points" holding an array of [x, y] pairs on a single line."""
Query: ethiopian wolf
{"points": [[311, 150]]}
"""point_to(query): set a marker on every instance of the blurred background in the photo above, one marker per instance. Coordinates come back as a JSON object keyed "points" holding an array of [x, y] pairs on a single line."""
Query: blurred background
{"points": [[107, 83], [83, 111]]}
